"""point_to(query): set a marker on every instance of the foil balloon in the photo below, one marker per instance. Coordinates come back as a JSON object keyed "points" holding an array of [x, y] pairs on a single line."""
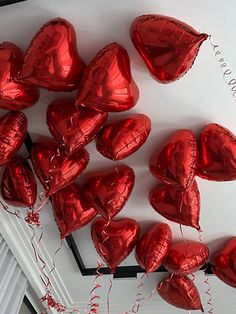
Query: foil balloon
{"points": [[54, 168], [18, 185], [52, 60], [223, 263], [186, 257], [181, 292], [71, 210], [13, 128], [120, 139], [182, 207], [107, 84], [14, 95], [175, 164], [168, 46], [72, 125], [153, 247], [114, 240], [217, 157], [109, 189]]}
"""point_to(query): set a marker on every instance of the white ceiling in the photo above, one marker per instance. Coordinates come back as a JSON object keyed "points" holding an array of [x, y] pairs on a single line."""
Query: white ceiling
{"points": [[201, 96]]}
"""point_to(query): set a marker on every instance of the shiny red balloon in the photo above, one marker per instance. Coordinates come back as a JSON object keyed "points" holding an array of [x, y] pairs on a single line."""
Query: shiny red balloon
{"points": [[153, 247], [181, 292], [122, 138], [182, 207], [54, 168], [217, 158], [115, 240], [108, 190], [107, 84], [186, 257], [72, 125], [175, 164], [52, 60], [13, 128], [223, 263], [18, 185], [71, 210], [14, 95], [168, 46]]}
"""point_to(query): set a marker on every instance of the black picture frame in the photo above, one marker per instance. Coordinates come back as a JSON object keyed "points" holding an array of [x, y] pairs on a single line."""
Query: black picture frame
{"points": [[121, 271], [8, 2]]}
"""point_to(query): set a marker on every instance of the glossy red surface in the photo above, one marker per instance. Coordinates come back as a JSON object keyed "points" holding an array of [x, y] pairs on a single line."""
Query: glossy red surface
{"points": [[122, 138], [52, 60], [14, 95], [107, 84], [71, 210], [18, 185], [181, 292], [13, 128], [182, 207], [116, 240], [168, 46], [223, 262], [72, 125], [108, 190], [186, 257], [153, 247], [175, 164], [54, 168], [217, 158]]}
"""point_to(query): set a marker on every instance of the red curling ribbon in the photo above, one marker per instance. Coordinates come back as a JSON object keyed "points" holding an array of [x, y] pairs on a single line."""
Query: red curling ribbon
{"points": [[226, 70], [206, 282], [139, 299], [32, 217], [94, 297]]}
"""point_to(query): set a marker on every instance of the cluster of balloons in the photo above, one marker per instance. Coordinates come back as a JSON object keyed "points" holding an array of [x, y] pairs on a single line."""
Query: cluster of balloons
{"points": [[169, 48]]}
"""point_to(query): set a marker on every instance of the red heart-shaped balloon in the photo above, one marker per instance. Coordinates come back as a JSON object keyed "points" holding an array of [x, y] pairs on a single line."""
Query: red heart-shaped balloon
{"points": [[54, 168], [18, 185], [182, 207], [108, 190], [217, 157], [71, 210], [181, 292], [72, 125], [122, 138], [186, 257], [52, 60], [107, 84], [223, 263], [13, 128], [153, 247], [176, 163], [14, 95], [168, 46], [115, 240]]}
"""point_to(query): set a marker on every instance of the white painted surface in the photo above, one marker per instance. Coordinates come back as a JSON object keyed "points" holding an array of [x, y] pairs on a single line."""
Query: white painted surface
{"points": [[198, 98]]}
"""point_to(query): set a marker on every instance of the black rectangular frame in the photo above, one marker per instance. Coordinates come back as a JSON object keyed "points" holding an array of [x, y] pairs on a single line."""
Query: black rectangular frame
{"points": [[121, 271], [7, 2]]}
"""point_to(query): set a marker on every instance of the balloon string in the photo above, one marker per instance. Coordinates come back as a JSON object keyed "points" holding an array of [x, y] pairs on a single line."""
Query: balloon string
{"points": [[227, 72], [206, 281], [94, 297], [108, 296], [16, 213], [48, 297], [139, 300]]}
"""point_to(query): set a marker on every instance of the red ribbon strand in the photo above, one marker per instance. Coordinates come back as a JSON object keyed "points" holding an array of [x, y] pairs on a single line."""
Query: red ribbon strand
{"points": [[227, 72]]}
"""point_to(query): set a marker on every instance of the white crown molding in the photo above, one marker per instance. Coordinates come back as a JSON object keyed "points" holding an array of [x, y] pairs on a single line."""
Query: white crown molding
{"points": [[18, 236]]}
